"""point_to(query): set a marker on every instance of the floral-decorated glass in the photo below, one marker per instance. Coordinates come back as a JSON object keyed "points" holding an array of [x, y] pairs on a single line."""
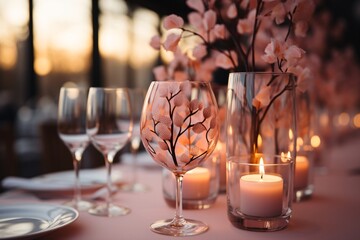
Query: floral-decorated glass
{"points": [[179, 129]]}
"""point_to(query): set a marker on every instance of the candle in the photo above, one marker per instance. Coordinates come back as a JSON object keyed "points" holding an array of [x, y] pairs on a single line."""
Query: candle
{"points": [[260, 194], [196, 184], [221, 150], [301, 172]]}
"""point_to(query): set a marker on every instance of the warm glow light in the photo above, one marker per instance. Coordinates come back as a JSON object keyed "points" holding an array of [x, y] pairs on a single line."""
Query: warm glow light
{"points": [[114, 39], [144, 28], [261, 167], [356, 120], [285, 157], [315, 141], [291, 135], [343, 119], [42, 66], [299, 143], [62, 36], [8, 56], [259, 139], [324, 119]]}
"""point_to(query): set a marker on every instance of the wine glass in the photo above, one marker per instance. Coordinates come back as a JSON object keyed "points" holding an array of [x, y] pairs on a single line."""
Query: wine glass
{"points": [[179, 129], [137, 97], [72, 131], [109, 126]]}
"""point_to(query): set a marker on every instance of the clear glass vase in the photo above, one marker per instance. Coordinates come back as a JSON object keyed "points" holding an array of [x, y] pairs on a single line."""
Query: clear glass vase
{"points": [[260, 121]]}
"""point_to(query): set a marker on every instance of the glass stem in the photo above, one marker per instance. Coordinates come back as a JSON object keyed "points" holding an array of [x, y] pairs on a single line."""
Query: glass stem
{"points": [[108, 181], [179, 220], [134, 165], [77, 188]]}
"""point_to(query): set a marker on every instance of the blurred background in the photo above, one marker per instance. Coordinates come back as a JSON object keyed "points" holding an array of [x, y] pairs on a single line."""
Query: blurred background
{"points": [[45, 44]]}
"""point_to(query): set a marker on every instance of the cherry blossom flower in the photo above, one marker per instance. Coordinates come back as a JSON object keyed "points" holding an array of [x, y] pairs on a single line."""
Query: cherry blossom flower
{"points": [[293, 54], [273, 51]]}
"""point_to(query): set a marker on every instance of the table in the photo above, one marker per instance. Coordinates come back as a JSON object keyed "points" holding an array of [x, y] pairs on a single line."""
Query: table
{"points": [[332, 213]]}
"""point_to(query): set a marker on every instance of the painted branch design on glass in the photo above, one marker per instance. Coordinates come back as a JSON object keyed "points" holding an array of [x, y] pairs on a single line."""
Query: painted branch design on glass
{"points": [[179, 129]]}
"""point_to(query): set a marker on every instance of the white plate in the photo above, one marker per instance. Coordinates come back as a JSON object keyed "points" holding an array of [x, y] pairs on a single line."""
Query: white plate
{"points": [[62, 182], [25, 221]]}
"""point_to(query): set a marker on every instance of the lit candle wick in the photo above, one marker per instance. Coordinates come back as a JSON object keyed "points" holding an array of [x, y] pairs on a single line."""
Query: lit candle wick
{"points": [[261, 168]]}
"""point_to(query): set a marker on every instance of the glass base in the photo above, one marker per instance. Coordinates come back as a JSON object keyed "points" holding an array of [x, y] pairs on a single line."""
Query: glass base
{"points": [[304, 194], [259, 224], [111, 210], [81, 205], [134, 187], [189, 228]]}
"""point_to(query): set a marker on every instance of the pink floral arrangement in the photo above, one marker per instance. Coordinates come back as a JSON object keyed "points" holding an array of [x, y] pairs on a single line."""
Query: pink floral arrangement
{"points": [[237, 35]]}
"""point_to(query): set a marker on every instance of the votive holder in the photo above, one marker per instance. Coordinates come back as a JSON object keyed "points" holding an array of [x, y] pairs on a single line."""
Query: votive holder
{"points": [[200, 185], [304, 176], [259, 192]]}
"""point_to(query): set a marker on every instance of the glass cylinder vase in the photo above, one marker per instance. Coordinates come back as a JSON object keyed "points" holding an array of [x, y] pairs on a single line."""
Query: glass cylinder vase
{"points": [[260, 121]]}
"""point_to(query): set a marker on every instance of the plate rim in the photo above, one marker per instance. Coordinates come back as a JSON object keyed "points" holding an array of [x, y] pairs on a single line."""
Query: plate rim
{"points": [[44, 231]]}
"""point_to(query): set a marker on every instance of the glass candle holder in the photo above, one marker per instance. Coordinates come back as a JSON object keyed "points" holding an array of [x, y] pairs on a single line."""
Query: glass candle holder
{"points": [[259, 195], [200, 185], [305, 144], [303, 181]]}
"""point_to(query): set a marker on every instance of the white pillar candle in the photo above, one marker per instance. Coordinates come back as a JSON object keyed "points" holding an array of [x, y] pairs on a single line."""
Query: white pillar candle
{"points": [[301, 172], [196, 184], [261, 194]]}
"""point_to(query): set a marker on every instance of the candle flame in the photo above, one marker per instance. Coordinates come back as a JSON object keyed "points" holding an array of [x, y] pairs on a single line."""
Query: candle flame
{"points": [[261, 168]]}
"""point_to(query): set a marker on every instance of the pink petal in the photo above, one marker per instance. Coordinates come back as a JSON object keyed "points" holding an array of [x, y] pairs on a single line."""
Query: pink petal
{"points": [[197, 5], [199, 52], [209, 19], [198, 128], [163, 131], [219, 31], [231, 11], [155, 42], [160, 73], [278, 13], [262, 98], [195, 19], [224, 61], [301, 28], [207, 112], [173, 21], [172, 42]]}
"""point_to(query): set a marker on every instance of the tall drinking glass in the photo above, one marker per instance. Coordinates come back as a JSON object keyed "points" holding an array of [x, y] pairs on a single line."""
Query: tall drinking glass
{"points": [[72, 131], [109, 126], [179, 129]]}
